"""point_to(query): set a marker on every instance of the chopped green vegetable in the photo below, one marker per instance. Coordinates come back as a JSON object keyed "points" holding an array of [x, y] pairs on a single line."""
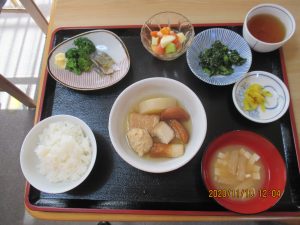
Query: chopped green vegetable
{"points": [[72, 53], [85, 45], [219, 59], [85, 63], [79, 58], [72, 65]]}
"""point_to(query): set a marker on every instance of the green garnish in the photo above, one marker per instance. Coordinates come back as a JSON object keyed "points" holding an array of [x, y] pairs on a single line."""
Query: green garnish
{"points": [[78, 58], [219, 59]]}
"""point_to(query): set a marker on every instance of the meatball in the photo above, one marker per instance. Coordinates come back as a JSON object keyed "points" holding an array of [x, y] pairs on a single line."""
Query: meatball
{"points": [[139, 140]]}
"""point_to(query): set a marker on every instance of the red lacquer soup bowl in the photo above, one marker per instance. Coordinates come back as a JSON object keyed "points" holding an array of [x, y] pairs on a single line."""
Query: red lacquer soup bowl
{"points": [[273, 183]]}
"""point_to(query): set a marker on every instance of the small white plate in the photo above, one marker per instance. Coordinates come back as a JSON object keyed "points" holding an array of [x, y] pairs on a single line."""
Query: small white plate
{"points": [[108, 42], [276, 105], [29, 159]]}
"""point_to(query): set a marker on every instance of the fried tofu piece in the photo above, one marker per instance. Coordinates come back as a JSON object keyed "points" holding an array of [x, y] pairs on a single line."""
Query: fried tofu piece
{"points": [[163, 132], [233, 162], [147, 122], [169, 151], [241, 168], [174, 113], [180, 132]]}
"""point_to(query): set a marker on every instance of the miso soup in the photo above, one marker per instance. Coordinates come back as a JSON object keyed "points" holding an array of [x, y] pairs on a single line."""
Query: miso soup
{"points": [[238, 172]]}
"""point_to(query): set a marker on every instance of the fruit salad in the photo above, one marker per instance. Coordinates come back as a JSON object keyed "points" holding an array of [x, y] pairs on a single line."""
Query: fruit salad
{"points": [[166, 41]]}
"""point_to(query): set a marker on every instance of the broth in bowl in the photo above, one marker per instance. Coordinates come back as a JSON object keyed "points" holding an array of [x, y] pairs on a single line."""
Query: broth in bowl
{"points": [[157, 128], [238, 171], [147, 90], [238, 167]]}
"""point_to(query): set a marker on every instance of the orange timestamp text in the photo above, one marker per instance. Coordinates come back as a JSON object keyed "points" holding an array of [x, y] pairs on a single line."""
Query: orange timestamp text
{"points": [[244, 193], [231, 193]]}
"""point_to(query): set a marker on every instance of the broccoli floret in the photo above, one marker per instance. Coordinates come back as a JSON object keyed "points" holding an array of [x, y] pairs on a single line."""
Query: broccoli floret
{"points": [[85, 45], [79, 58], [72, 53], [82, 53], [72, 65], [85, 64]]}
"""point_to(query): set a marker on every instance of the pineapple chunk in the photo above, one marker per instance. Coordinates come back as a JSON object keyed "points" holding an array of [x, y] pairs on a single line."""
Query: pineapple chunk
{"points": [[166, 40], [181, 37], [154, 40]]}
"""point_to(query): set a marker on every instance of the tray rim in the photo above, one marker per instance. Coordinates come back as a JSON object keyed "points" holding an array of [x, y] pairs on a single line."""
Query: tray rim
{"points": [[225, 213]]}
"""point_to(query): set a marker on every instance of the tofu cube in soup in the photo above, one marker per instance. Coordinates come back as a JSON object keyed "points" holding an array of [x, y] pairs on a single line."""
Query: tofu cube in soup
{"points": [[235, 168], [163, 132]]}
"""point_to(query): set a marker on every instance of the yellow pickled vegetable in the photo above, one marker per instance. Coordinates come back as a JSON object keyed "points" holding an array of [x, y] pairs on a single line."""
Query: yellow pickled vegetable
{"points": [[255, 96]]}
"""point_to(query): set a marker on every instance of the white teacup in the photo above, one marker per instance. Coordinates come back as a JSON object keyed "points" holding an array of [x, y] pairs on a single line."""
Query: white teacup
{"points": [[275, 10]]}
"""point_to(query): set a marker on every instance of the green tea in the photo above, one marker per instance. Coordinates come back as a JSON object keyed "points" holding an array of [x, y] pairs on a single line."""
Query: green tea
{"points": [[267, 28]]}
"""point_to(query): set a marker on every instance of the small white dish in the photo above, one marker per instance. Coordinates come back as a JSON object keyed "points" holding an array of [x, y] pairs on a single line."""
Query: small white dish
{"points": [[29, 160], [276, 105], [105, 41], [157, 86], [232, 40]]}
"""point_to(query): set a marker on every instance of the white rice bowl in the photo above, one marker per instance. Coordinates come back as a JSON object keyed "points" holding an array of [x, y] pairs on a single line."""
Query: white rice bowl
{"points": [[64, 152], [58, 154]]}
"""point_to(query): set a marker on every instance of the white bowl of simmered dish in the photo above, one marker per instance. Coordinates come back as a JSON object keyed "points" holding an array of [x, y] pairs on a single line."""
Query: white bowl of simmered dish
{"points": [[58, 154], [157, 124]]}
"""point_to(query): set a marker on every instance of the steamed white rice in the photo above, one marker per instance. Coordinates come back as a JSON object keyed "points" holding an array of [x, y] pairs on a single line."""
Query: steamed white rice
{"points": [[64, 152]]}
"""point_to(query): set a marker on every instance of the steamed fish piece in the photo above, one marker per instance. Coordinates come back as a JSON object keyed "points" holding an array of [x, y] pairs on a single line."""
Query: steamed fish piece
{"points": [[105, 62]]}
